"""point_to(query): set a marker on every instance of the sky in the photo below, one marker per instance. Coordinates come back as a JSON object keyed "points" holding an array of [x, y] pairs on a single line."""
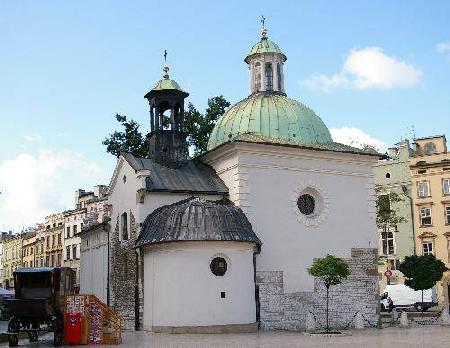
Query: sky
{"points": [[374, 71]]}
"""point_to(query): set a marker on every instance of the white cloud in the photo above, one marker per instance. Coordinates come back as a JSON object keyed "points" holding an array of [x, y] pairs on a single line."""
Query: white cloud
{"points": [[444, 48], [357, 138], [32, 137], [35, 186], [366, 68]]}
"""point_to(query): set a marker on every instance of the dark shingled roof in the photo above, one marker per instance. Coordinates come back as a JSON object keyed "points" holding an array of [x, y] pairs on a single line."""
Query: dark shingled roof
{"points": [[191, 177], [196, 219]]}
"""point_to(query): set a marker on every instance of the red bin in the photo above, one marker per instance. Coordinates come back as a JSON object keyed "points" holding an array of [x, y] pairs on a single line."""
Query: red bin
{"points": [[73, 329]]}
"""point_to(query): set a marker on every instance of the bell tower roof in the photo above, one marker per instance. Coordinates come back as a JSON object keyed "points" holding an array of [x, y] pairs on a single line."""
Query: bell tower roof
{"points": [[166, 85]]}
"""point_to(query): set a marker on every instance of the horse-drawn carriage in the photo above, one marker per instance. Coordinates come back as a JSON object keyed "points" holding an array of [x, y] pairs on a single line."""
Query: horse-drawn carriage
{"points": [[39, 302]]}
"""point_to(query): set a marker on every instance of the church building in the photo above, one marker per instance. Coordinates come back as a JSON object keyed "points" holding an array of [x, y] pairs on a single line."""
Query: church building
{"points": [[222, 242]]}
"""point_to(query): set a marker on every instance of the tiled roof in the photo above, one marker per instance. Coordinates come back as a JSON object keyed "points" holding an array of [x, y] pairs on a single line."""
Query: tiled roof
{"points": [[196, 219], [191, 176]]}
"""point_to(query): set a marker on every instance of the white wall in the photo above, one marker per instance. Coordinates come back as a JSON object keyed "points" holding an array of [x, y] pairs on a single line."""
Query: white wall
{"points": [[180, 290], [269, 180], [94, 264]]}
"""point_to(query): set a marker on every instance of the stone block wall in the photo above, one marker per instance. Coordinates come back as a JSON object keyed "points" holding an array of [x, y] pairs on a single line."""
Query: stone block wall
{"points": [[358, 293], [123, 275]]}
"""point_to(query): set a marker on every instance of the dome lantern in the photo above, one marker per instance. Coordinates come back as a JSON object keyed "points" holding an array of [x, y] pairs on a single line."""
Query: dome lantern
{"points": [[265, 62]]}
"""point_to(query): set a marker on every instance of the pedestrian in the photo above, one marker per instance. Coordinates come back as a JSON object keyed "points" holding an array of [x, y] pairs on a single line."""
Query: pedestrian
{"points": [[390, 304]]}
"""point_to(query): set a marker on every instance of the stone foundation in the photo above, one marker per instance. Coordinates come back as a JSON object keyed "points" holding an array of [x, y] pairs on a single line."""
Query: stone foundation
{"points": [[358, 293]]}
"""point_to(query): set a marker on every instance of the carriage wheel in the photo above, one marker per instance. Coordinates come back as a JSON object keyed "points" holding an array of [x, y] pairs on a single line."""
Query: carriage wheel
{"points": [[58, 331], [13, 340]]}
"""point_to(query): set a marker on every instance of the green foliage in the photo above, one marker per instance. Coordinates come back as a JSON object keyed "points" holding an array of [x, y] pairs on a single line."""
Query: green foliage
{"points": [[331, 269], [128, 140], [422, 272], [199, 126], [387, 215]]}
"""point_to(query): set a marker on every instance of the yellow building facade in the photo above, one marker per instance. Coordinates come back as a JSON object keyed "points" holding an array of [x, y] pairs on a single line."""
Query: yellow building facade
{"points": [[54, 240], [430, 178], [28, 250], [12, 259]]}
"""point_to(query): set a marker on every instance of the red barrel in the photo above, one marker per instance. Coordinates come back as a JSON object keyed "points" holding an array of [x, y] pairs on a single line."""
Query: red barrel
{"points": [[73, 329]]}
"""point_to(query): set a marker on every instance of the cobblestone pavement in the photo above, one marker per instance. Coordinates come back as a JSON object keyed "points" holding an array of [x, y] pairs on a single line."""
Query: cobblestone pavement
{"points": [[430, 336]]}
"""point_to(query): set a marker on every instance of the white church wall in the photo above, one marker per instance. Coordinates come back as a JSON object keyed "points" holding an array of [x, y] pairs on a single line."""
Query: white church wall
{"points": [[180, 289], [274, 177], [94, 264]]}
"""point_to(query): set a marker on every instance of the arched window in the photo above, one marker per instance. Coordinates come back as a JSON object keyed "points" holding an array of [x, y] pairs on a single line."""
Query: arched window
{"points": [[257, 77], [279, 77], [124, 226], [268, 72]]}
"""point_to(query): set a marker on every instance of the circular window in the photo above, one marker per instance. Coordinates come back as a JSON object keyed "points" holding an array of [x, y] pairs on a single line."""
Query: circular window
{"points": [[218, 266], [306, 204]]}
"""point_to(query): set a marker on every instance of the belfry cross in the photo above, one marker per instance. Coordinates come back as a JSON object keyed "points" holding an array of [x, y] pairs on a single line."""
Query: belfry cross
{"points": [[165, 56], [263, 20]]}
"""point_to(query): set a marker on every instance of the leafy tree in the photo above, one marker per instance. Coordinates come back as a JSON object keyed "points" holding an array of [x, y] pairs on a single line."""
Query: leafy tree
{"points": [[332, 270], [199, 126], [387, 215], [128, 140], [422, 272]]}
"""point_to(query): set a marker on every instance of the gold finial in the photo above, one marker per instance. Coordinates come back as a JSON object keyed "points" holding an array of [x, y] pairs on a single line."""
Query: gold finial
{"points": [[166, 71]]}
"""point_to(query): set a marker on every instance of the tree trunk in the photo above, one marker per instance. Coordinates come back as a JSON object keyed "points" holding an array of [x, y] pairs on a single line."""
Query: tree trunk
{"points": [[328, 324], [422, 303]]}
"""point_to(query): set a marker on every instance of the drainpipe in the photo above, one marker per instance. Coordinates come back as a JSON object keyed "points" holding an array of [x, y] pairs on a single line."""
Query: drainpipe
{"points": [[136, 293], [106, 228], [257, 301]]}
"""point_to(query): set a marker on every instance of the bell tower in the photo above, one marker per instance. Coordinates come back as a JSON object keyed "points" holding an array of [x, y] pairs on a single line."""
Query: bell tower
{"points": [[167, 138]]}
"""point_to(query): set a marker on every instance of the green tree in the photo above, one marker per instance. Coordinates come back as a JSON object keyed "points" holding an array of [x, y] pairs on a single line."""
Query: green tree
{"points": [[199, 127], [422, 272], [387, 214], [128, 140], [332, 270]]}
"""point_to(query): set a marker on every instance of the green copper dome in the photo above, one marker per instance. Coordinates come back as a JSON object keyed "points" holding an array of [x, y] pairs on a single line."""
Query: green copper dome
{"points": [[265, 45], [273, 116], [165, 84]]}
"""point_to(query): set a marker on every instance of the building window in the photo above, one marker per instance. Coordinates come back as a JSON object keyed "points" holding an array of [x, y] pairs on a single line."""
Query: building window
{"points": [[423, 189], [447, 215], [67, 231], [425, 216], [48, 242], [75, 227], [74, 252], [388, 175], [58, 260], [429, 148], [446, 187], [427, 248], [53, 261], [218, 266], [47, 258], [68, 253], [279, 77], [387, 243], [268, 72], [306, 204], [124, 226], [257, 78], [59, 239]]}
